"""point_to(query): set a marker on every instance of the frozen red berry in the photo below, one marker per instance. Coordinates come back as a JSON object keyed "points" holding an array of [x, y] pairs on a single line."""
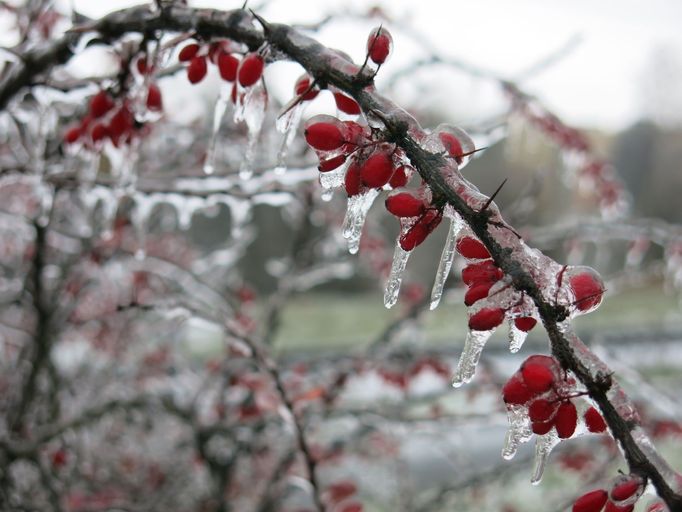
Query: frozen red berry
{"points": [[100, 104], [625, 488], [593, 501], [515, 391], [352, 181], [542, 409], [525, 323], [482, 272], [540, 428], [377, 170], [250, 70], [302, 87], [324, 136], [538, 378], [476, 292], [587, 290], [154, 99], [404, 204], [472, 248], [72, 135], [566, 420], [594, 421], [197, 69], [227, 66], [421, 229], [486, 319], [332, 163], [99, 132], [188, 52], [399, 178], [346, 104], [379, 45]]}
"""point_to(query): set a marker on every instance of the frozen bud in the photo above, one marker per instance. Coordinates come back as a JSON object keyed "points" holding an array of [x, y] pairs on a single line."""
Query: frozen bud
{"points": [[324, 133], [472, 248], [379, 45], [486, 319], [250, 70]]}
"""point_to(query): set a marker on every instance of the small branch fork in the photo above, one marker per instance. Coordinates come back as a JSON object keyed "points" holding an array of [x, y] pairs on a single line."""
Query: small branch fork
{"points": [[321, 64]]}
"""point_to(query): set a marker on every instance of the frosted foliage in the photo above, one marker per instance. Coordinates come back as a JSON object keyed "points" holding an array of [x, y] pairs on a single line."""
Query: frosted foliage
{"points": [[543, 447], [519, 430], [445, 263], [395, 278], [287, 124], [356, 213], [516, 337], [473, 347], [218, 114], [251, 110]]}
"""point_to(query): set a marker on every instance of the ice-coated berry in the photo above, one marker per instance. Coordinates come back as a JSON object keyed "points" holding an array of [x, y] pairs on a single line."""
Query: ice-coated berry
{"points": [[594, 421], [592, 501], [486, 319], [566, 420], [377, 170], [250, 70], [197, 69], [472, 248], [379, 45], [404, 204]]}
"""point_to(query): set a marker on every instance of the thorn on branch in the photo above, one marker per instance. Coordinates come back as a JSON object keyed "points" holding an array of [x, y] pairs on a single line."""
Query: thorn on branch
{"points": [[266, 26], [492, 198]]}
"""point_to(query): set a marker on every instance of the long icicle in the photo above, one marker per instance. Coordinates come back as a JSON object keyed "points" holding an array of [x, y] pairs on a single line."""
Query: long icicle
{"points": [[395, 278], [218, 114], [445, 262]]}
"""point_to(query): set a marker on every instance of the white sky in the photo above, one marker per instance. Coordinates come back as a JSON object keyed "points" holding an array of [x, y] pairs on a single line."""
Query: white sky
{"points": [[598, 84]]}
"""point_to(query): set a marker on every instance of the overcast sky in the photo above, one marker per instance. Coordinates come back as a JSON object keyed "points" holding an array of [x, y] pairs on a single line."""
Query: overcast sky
{"points": [[600, 83]]}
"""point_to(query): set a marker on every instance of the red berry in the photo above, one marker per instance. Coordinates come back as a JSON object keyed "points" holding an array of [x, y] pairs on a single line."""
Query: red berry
{"points": [[188, 52], [100, 104], [594, 421], [197, 69], [515, 391], [472, 248], [72, 135], [525, 323], [420, 230], [324, 136], [542, 410], [154, 99], [377, 170], [404, 205], [346, 104], [482, 272], [331, 163], [587, 290], [99, 131], [227, 66], [302, 85], [486, 319], [379, 45], [120, 123], [339, 491], [625, 489], [593, 501], [141, 64], [399, 178], [59, 458], [566, 420], [541, 427], [250, 70], [537, 377], [477, 292], [452, 145], [352, 181]]}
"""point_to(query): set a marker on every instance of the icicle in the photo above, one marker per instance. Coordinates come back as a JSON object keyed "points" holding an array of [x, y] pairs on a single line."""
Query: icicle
{"points": [[218, 114], [331, 180], [543, 447], [138, 218], [287, 124], [516, 337], [473, 346], [395, 278], [445, 262], [356, 213], [251, 111], [519, 430]]}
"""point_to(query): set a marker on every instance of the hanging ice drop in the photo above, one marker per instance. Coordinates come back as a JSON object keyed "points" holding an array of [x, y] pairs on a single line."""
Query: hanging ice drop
{"points": [[395, 278], [445, 262], [356, 213], [543, 447], [473, 346], [287, 124], [218, 114]]}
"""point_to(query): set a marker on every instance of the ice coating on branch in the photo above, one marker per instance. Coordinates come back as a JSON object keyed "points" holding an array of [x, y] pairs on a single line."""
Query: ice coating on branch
{"points": [[356, 213], [519, 430], [287, 124], [395, 277], [543, 447], [251, 109], [445, 263], [218, 114], [471, 353]]}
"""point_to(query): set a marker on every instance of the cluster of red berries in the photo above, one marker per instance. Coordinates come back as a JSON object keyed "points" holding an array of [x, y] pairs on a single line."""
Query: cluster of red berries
{"points": [[111, 119], [547, 391], [625, 491], [246, 72]]}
